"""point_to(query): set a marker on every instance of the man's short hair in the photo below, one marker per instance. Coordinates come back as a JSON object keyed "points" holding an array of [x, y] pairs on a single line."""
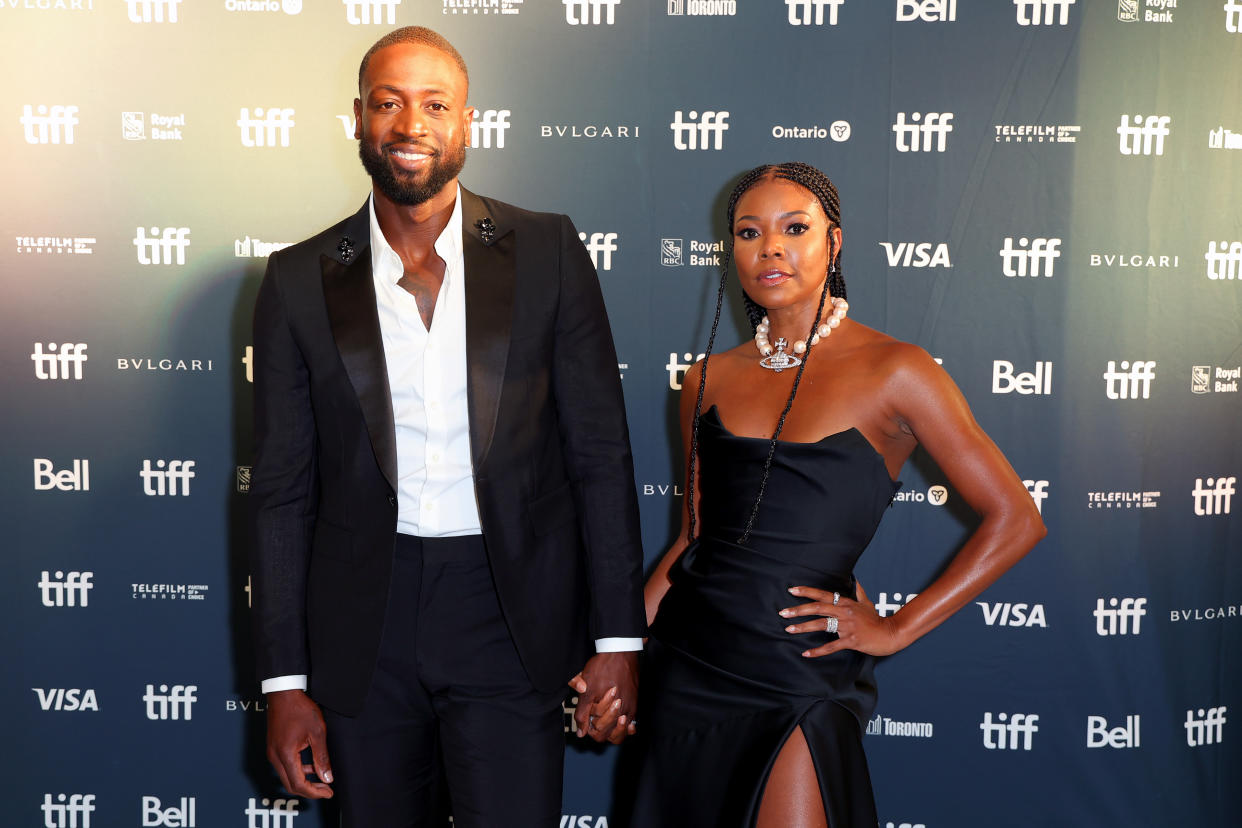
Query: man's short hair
{"points": [[418, 35]]}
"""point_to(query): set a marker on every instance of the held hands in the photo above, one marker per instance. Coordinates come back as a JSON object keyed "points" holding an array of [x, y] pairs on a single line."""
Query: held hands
{"points": [[607, 691], [857, 624], [294, 723]]}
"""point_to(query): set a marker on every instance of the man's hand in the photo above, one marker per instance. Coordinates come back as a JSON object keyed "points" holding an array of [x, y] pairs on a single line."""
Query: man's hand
{"points": [[607, 691], [294, 723]]}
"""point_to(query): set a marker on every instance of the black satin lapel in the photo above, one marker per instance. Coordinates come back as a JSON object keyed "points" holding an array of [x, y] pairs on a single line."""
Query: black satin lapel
{"points": [[489, 321], [349, 294]]}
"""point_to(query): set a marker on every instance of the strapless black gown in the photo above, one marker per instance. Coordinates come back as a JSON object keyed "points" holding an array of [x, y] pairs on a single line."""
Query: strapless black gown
{"points": [[724, 685]]}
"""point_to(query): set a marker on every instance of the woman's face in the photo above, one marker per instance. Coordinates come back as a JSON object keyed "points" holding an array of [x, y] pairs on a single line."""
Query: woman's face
{"points": [[780, 244]]}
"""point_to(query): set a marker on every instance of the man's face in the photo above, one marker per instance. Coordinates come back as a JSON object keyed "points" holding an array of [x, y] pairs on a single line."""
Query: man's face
{"points": [[412, 121]]}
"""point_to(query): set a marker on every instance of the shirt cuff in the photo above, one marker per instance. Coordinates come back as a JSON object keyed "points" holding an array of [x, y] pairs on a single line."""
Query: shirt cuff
{"points": [[618, 645], [278, 683]]}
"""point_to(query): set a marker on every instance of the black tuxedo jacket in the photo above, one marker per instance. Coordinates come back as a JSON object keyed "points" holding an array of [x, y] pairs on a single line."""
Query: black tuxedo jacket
{"points": [[552, 467]]}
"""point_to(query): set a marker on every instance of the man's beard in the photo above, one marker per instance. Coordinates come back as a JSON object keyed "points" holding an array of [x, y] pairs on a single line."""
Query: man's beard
{"points": [[444, 167]]}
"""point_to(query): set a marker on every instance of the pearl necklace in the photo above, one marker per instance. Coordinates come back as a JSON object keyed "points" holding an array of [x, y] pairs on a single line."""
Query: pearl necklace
{"points": [[777, 359]]}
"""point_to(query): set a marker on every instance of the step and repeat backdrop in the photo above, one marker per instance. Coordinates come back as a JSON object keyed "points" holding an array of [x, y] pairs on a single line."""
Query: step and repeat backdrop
{"points": [[1042, 193]]}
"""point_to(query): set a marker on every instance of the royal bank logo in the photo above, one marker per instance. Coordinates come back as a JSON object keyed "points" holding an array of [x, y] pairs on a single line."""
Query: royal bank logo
{"points": [[1009, 731], [1224, 263], [1030, 257], [1221, 138], [266, 127], [1131, 381], [67, 699], [1043, 12], [671, 253], [249, 248], [591, 12], [169, 592], [1037, 133], [74, 245], [1206, 379], [917, 254], [1007, 614], [182, 815], [812, 12], [488, 128], [1213, 496], [167, 478], [1099, 734], [923, 132], [152, 11], [68, 810], [1121, 616], [709, 8], [884, 726], [1038, 490], [76, 478], [43, 124], [936, 495], [1233, 16], [163, 127], [243, 479], [59, 362], [677, 369], [65, 589], [588, 131], [286, 6], [162, 247], [886, 606], [1150, 11], [601, 246], [247, 362], [1127, 10], [926, 11], [482, 6], [371, 12], [175, 702], [1006, 380], [1205, 727], [1123, 500], [1146, 135], [837, 131], [693, 131]]}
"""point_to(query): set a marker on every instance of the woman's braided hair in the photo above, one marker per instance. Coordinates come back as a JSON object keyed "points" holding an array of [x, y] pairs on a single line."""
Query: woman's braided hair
{"points": [[818, 184]]}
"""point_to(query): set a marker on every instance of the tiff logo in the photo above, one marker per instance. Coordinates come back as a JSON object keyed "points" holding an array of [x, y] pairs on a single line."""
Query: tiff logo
{"points": [[929, 11], [1116, 620], [372, 12], [935, 126], [697, 132], [1005, 381], [1024, 261], [265, 129], [77, 479], [1233, 16], [161, 246], [65, 589], [811, 12], [152, 11], [49, 127], [67, 364], [488, 125], [577, 12], [248, 361], [1038, 490], [1131, 382], [1028, 11], [1214, 496], [160, 481], [600, 244], [175, 703], [280, 815], [1225, 263], [65, 810], [1006, 733], [1146, 136], [1206, 727], [677, 370], [154, 813], [884, 607]]}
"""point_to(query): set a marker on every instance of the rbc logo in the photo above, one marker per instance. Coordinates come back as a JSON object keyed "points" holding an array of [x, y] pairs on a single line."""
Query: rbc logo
{"points": [[161, 246], [174, 704], [700, 130], [64, 365], [1115, 620], [489, 125], [671, 251], [1145, 137], [1028, 11], [1041, 250], [811, 12], [64, 812], [1215, 497], [65, 589], [183, 815], [152, 11], [1205, 728], [1225, 264], [280, 815], [1008, 731], [1131, 382], [600, 243], [935, 125], [49, 127], [265, 129], [590, 12], [929, 11], [372, 11], [161, 481]]}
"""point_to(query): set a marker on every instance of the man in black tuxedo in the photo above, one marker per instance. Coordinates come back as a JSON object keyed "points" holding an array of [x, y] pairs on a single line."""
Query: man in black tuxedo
{"points": [[445, 513]]}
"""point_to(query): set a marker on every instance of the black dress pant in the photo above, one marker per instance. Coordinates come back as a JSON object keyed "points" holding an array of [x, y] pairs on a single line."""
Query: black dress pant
{"points": [[449, 696]]}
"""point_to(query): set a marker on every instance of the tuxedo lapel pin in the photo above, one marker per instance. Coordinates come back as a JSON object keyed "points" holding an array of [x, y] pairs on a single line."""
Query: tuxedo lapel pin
{"points": [[487, 230], [346, 248]]}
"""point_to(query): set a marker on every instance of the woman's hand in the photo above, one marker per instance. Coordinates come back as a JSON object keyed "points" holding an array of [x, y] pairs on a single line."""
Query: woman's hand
{"points": [[857, 624]]}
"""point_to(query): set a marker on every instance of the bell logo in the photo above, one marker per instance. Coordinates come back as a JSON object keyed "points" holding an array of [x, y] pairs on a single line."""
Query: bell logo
{"points": [[917, 254], [175, 703], [65, 364], [1099, 735], [1038, 490], [49, 125], [173, 481], [265, 129], [280, 815], [1146, 137], [65, 589], [1017, 260], [152, 11], [1215, 496], [64, 811], [929, 11], [590, 12], [1225, 263], [76, 479], [182, 815], [1005, 381], [1028, 12], [1014, 732], [1205, 727], [362, 12], [162, 247], [604, 244], [69, 700], [885, 608], [811, 12], [1131, 382], [488, 127], [1013, 615], [1116, 619], [699, 131], [934, 126], [1233, 16], [677, 370]]}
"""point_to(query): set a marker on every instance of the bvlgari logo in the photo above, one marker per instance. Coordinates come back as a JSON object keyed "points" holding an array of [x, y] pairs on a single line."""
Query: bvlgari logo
{"points": [[588, 131]]}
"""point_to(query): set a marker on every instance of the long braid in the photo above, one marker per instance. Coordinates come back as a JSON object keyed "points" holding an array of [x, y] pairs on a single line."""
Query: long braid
{"points": [[818, 184]]}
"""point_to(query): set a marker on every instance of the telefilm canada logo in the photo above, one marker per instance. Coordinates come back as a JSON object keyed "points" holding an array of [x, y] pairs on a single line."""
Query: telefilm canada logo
{"points": [[1219, 379], [162, 127], [591, 12], [48, 245], [708, 8], [1037, 133], [1152, 11], [44, 124], [371, 12], [1123, 500], [169, 592], [482, 6], [813, 12], [152, 11]]}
